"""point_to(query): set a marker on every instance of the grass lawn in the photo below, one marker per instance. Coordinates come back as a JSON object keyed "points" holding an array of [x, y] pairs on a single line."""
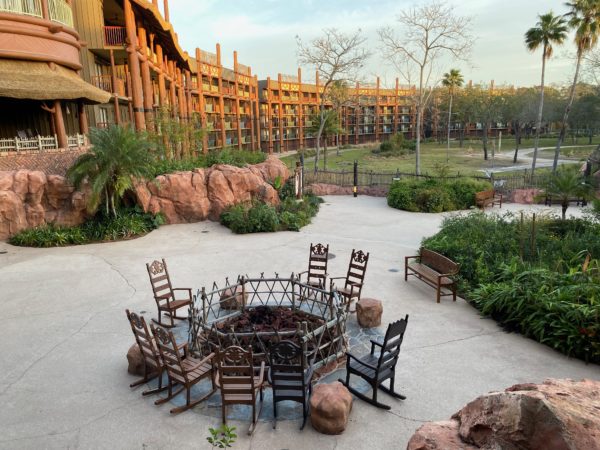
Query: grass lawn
{"points": [[466, 161]]}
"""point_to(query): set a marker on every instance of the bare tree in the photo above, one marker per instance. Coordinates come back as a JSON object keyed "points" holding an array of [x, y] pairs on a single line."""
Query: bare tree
{"points": [[337, 57], [425, 34]]}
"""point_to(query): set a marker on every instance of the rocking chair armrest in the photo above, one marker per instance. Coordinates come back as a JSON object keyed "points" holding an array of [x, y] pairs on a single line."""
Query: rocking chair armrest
{"points": [[183, 347], [375, 343], [189, 290], [208, 358], [351, 356], [334, 278]]}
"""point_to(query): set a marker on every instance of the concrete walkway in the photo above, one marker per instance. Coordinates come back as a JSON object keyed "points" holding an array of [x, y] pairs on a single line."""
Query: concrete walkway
{"points": [[64, 336]]}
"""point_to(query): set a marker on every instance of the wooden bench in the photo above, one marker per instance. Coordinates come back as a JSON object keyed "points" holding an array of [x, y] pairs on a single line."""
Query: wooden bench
{"points": [[489, 197], [434, 269], [550, 200]]}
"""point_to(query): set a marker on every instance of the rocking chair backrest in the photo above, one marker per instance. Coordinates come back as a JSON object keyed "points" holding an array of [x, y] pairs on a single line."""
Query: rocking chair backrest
{"points": [[357, 270], [236, 372], [287, 363], [160, 281], [170, 354], [391, 346], [317, 263], [144, 339]]}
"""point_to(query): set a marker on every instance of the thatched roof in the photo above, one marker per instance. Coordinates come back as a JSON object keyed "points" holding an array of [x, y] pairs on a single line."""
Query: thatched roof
{"points": [[43, 81]]}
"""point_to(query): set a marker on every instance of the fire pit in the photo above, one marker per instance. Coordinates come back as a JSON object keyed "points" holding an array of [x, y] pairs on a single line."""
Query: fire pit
{"points": [[259, 311]]}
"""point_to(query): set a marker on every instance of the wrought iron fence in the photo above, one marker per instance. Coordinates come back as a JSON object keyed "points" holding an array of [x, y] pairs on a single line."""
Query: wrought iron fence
{"points": [[212, 310]]}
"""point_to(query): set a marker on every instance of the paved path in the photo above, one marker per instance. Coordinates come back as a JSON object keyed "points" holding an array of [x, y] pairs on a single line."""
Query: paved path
{"points": [[64, 335]]}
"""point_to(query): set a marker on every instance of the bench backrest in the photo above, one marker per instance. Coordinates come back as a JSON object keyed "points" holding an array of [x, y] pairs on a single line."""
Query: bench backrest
{"points": [[484, 195], [438, 262]]}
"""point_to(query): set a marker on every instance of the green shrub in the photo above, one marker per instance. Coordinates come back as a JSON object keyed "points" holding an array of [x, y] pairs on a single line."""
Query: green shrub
{"points": [[127, 224], [232, 157], [290, 215], [395, 146], [529, 278], [434, 195]]}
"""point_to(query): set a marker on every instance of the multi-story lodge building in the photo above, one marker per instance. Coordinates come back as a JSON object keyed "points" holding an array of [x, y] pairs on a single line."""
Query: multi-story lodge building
{"points": [[42, 96]]}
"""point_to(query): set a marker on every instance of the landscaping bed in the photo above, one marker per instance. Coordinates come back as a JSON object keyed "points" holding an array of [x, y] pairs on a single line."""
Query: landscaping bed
{"points": [[532, 276]]}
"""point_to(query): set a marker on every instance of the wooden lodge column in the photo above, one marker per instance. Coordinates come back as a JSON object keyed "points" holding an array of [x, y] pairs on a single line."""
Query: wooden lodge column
{"points": [[83, 119], [300, 110], [162, 88], [201, 105], [115, 94], [146, 79], [172, 89], [396, 107], [256, 142], [281, 141], [237, 99], [166, 10], [45, 10], [221, 101], [377, 121], [358, 114], [181, 95], [59, 123], [269, 115], [134, 67]]}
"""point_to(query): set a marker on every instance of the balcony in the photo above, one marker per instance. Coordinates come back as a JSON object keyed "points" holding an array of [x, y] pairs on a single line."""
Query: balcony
{"points": [[104, 82], [24, 7], [114, 36], [58, 10]]}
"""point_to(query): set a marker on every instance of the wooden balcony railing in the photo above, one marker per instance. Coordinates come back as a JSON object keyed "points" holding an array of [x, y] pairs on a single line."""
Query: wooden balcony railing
{"points": [[114, 36], [25, 7], [104, 82], [60, 11]]}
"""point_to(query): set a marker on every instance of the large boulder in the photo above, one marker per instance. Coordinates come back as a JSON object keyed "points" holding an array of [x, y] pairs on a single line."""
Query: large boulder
{"points": [[438, 436], [369, 312], [554, 415], [13, 217], [135, 360], [330, 406]]}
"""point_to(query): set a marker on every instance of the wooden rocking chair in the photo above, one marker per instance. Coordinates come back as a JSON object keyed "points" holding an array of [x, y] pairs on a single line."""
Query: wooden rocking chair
{"points": [[164, 293], [239, 382], [153, 366], [289, 377], [375, 369], [182, 368], [316, 275], [354, 279]]}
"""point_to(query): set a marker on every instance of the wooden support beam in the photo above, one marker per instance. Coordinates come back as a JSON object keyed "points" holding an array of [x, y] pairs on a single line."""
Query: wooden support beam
{"points": [[134, 67], [113, 80]]}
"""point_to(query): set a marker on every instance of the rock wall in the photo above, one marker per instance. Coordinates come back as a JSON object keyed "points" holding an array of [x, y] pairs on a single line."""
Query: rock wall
{"points": [[554, 415], [31, 198], [205, 193]]}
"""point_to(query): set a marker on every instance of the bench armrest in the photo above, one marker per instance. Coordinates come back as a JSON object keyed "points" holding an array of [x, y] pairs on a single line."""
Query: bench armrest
{"points": [[406, 258]]}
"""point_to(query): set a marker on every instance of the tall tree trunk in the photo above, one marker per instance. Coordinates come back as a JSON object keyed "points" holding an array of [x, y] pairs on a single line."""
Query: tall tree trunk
{"points": [[418, 142], [538, 124], [325, 153], [337, 141], [517, 140], [449, 121], [563, 128], [462, 136], [485, 141]]}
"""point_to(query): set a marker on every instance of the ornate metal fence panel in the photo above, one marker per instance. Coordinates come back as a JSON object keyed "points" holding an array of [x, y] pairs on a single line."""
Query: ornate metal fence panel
{"points": [[322, 330]]}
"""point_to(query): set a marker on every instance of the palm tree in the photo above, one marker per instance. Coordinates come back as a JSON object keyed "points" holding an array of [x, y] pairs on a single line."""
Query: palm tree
{"points": [[584, 18], [330, 128], [549, 30], [451, 80], [568, 183], [118, 155]]}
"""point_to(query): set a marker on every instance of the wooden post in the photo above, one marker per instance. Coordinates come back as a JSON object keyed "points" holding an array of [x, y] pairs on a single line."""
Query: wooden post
{"points": [[129, 94], [59, 121], [166, 10], [162, 89], [221, 101], [281, 142], [83, 120], [300, 111], [113, 81], [146, 79], [201, 105], [172, 88], [134, 67], [269, 115], [237, 100], [45, 10], [256, 142]]}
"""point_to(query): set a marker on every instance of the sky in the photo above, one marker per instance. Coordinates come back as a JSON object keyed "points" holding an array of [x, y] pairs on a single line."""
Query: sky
{"points": [[264, 34]]}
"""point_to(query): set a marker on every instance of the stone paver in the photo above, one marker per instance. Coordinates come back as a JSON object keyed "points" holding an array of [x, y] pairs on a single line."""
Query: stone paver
{"points": [[64, 336]]}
